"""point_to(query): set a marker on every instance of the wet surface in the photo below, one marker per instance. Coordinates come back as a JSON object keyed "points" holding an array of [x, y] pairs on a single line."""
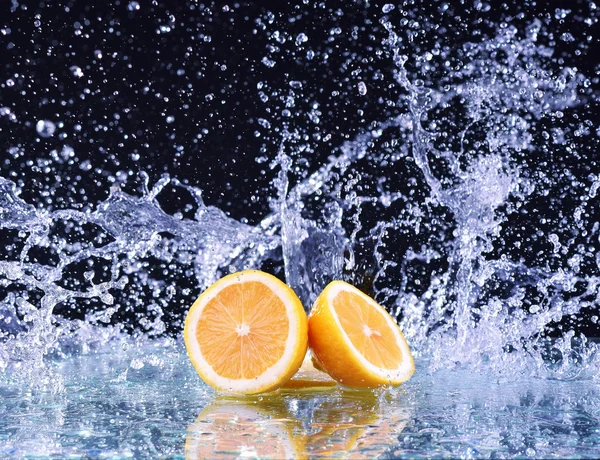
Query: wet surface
{"points": [[148, 402]]}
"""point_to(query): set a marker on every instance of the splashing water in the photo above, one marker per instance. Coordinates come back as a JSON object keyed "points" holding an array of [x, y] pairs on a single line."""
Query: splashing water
{"points": [[464, 198], [469, 131]]}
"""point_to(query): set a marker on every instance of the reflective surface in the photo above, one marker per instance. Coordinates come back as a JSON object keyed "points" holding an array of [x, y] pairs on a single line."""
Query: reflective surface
{"points": [[147, 402]]}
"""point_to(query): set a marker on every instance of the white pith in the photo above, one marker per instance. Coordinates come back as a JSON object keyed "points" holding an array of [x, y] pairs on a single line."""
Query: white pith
{"points": [[405, 369], [272, 374], [369, 332], [242, 330]]}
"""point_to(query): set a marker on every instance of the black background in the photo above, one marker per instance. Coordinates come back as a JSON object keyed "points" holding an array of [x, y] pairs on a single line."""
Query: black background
{"points": [[137, 81]]}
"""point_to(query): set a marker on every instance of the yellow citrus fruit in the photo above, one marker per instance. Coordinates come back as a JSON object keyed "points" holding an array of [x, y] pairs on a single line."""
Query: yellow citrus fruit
{"points": [[356, 341], [247, 333]]}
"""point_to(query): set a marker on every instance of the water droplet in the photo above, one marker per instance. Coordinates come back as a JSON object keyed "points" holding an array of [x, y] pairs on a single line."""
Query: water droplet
{"points": [[76, 71], [553, 237], [45, 128], [67, 152], [6, 112], [362, 88], [264, 123], [301, 38], [268, 62], [133, 6], [85, 165]]}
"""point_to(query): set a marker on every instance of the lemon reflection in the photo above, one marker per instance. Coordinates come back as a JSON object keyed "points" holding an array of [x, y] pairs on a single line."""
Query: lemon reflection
{"points": [[312, 422], [247, 429]]}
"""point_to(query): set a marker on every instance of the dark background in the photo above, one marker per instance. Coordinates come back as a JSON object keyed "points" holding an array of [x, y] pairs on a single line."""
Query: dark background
{"points": [[115, 115], [184, 88]]}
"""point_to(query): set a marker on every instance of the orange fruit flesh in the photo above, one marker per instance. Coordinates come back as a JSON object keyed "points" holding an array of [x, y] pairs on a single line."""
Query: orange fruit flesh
{"points": [[247, 333], [243, 330], [368, 330], [356, 341]]}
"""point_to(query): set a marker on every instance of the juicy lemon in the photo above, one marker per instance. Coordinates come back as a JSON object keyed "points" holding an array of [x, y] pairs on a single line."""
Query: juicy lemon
{"points": [[247, 333], [356, 341]]}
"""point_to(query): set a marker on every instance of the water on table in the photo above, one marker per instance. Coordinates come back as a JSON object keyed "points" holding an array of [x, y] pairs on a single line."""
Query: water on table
{"points": [[148, 402]]}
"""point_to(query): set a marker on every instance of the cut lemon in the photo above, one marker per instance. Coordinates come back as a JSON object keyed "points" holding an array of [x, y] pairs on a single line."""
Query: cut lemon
{"points": [[356, 341], [247, 333]]}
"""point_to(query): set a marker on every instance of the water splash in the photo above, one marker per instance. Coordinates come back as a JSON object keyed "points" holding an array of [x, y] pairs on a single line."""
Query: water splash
{"points": [[504, 103], [131, 230], [423, 208]]}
